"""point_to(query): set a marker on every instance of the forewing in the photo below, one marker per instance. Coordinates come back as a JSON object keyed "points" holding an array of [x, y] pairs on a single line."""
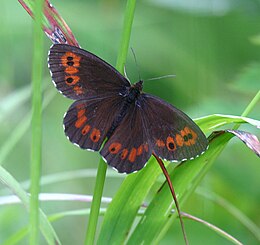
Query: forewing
{"points": [[173, 135], [87, 121], [80, 74], [127, 150]]}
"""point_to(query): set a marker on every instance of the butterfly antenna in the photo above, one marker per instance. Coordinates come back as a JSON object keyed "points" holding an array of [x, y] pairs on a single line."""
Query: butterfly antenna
{"points": [[137, 67], [161, 77], [173, 195], [126, 74]]}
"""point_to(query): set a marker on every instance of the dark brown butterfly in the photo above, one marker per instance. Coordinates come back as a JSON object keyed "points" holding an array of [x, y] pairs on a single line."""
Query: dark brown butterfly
{"points": [[108, 109]]}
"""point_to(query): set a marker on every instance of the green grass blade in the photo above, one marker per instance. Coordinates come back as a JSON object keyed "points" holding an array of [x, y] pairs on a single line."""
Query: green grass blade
{"points": [[250, 107], [69, 175], [36, 145], [17, 237], [10, 102], [211, 122], [95, 206], [47, 230], [214, 228], [125, 205], [158, 217], [125, 39], [20, 129], [229, 207]]}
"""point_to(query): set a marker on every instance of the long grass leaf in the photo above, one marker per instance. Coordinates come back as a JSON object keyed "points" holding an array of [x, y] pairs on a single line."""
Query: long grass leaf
{"points": [[47, 230]]}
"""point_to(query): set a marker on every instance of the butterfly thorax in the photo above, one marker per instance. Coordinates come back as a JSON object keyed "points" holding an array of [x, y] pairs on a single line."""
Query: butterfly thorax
{"points": [[134, 92], [130, 98], [138, 86]]}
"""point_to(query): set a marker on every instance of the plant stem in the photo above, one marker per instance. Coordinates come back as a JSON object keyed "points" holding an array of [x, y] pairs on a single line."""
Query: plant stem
{"points": [[125, 38], [36, 144], [249, 108], [167, 177], [251, 105], [95, 206], [100, 180]]}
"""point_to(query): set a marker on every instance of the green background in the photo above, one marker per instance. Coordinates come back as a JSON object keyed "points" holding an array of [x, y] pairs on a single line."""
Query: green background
{"points": [[213, 49]]}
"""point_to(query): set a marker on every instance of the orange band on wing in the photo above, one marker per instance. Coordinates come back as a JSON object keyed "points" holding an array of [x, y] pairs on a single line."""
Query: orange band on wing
{"points": [[132, 155]]}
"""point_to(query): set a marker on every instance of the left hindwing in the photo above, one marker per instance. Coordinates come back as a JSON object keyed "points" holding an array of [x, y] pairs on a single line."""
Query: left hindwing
{"points": [[173, 135], [88, 121]]}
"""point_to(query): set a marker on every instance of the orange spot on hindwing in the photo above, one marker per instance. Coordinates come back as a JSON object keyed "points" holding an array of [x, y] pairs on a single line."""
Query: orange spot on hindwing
{"points": [[145, 147], [160, 143], [194, 136], [124, 154], [170, 143], [114, 148], [95, 135], [78, 90], [189, 136], [139, 150], [179, 140], [132, 155]]}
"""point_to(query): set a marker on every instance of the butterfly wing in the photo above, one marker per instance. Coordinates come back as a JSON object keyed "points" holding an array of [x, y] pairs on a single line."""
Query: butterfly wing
{"points": [[79, 74], [173, 135], [88, 121], [127, 150]]}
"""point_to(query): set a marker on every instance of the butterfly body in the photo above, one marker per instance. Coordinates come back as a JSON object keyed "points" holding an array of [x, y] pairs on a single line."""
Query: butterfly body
{"points": [[130, 97], [116, 118]]}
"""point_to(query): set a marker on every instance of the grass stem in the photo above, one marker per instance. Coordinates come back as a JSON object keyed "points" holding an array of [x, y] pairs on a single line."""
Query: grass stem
{"points": [[100, 180], [249, 108], [36, 144]]}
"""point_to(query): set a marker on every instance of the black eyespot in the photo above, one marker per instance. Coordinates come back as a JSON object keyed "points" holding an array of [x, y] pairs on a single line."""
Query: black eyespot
{"points": [[171, 145], [190, 136], [185, 138], [69, 80], [70, 63], [69, 58], [113, 149]]}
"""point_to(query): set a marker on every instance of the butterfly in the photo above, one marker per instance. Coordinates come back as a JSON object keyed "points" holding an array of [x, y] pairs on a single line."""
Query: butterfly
{"points": [[116, 118]]}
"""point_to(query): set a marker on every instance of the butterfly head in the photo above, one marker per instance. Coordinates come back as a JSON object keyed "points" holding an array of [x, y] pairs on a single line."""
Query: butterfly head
{"points": [[139, 85]]}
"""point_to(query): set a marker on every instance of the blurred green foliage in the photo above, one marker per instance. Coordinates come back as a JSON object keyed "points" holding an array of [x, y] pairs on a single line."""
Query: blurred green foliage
{"points": [[214, 52]]}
